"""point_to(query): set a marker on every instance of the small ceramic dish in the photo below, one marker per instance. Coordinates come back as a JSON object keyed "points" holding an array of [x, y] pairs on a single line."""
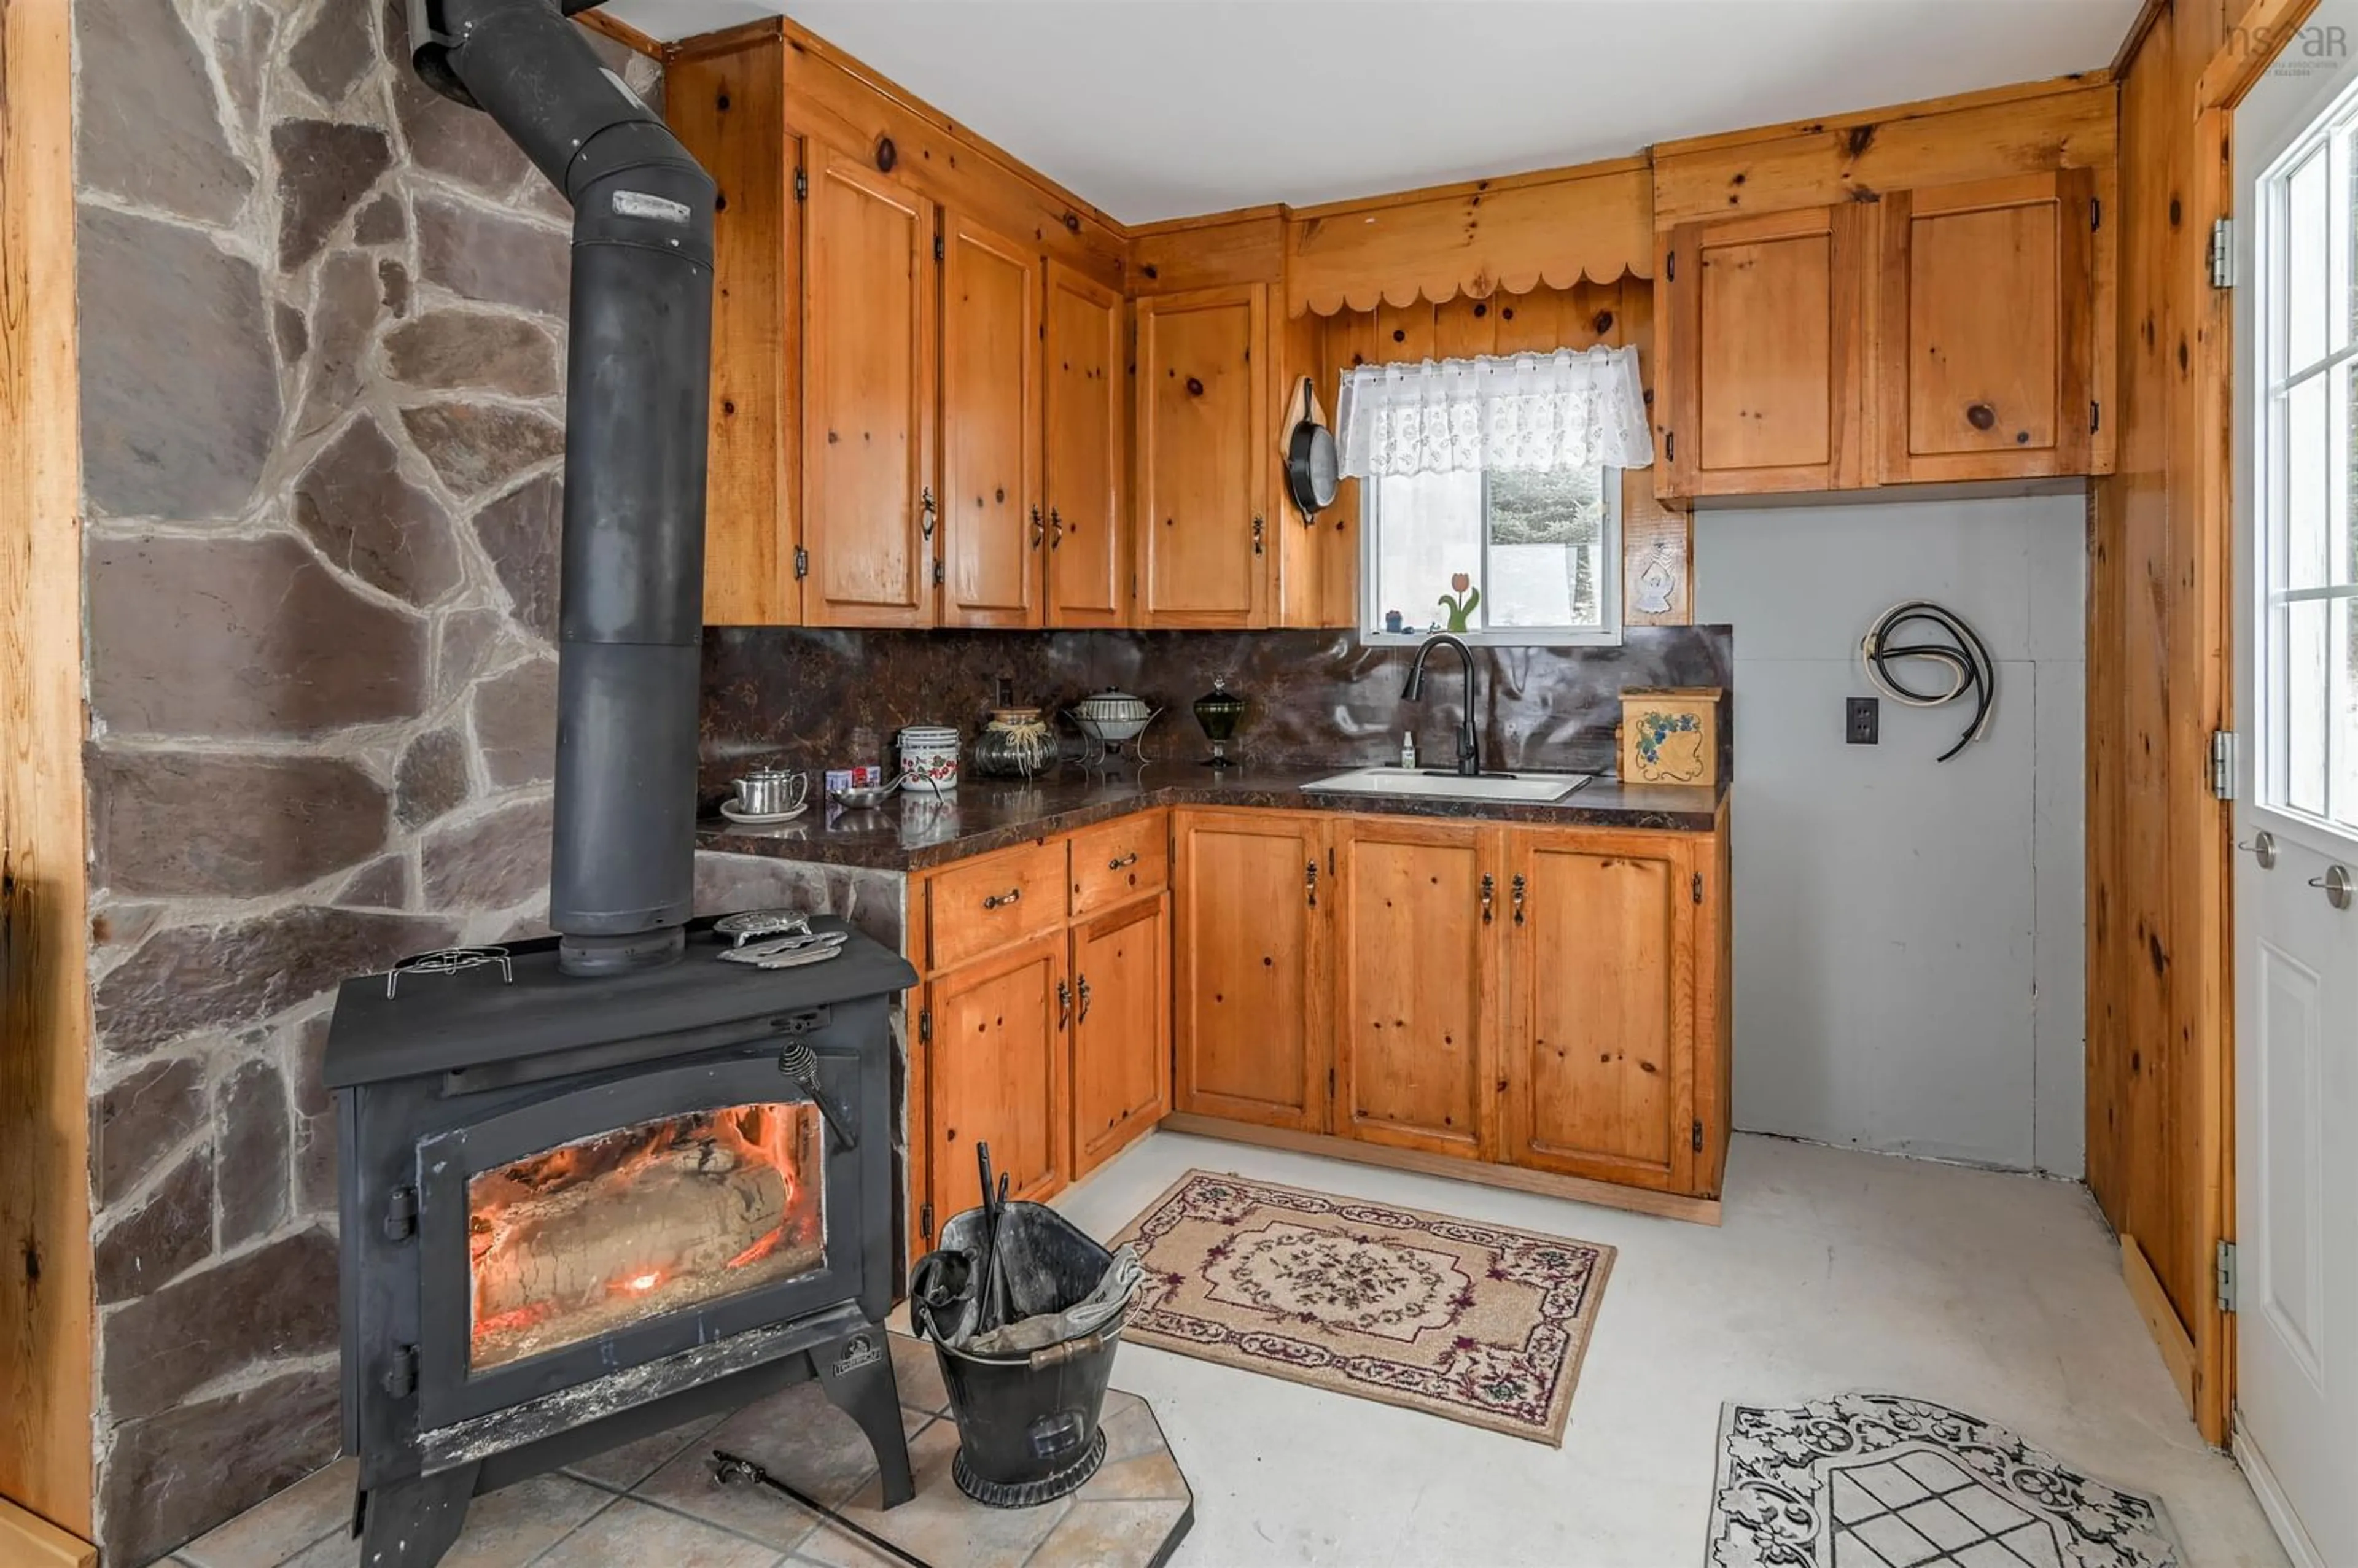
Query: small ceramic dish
{"points": [[750, 819]]}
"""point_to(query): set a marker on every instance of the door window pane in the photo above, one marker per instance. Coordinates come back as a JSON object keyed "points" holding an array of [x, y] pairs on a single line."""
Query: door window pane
{"points": [[2308, 256]]}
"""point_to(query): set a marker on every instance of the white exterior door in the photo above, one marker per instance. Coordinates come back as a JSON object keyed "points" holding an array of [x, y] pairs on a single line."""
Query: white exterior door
{"points": [[2297, 815]]}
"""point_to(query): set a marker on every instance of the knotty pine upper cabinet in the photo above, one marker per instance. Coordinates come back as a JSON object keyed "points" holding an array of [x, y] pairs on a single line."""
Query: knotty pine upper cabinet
{"points": [[1087, 407], [869, 385], [1987, 330], [1205, 456], [1600, 1059], [1251, 985], [1768, 326], [992, 529], [1418, 907]]}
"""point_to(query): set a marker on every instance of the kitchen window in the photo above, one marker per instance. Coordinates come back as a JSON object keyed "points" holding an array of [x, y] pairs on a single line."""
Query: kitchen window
{"points": [[1533, 557], [1491, 493]]}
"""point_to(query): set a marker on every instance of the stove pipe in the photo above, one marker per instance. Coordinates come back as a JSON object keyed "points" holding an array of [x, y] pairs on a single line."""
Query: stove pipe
{"points": [[638, 365]]}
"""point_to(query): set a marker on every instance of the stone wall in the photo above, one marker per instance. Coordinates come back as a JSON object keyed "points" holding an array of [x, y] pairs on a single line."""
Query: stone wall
{"points": [[321, 318]]}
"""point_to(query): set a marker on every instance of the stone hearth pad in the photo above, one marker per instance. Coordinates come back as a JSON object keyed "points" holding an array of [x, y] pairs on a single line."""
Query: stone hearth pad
{"points": [[656, 1502]]}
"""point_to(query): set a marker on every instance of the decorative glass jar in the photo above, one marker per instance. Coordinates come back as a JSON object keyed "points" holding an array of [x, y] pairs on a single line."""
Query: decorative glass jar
{"points": [[1015, 744]]}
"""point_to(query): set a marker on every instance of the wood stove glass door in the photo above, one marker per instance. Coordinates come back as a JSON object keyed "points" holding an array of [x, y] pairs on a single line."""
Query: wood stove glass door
{"points": [[625, 1221]]}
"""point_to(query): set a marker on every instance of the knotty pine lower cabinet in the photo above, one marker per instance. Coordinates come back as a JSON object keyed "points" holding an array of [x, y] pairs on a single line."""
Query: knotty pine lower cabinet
{"points": [[1548, 999], [997, 1066], [1417, 972], [1121, 1029], [1599, 1054], [1251, 984]]}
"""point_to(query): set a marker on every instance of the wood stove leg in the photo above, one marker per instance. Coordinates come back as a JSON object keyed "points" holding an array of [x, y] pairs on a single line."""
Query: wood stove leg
{"points": [[856, 1373], [412, 1523]]}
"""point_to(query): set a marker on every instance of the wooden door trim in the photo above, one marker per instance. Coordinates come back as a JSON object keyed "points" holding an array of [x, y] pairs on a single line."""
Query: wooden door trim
{"points": [[1060, 614], [1481, 1141], [958, 229], [2071, 191], [825, 161]]}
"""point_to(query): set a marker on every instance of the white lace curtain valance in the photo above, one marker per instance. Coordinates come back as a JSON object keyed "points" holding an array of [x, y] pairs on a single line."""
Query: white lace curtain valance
{"points": [[1514, 414]]}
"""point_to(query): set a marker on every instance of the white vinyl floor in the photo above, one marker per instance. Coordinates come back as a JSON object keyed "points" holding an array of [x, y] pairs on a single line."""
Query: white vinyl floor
{"points": [[1997, 1295]]}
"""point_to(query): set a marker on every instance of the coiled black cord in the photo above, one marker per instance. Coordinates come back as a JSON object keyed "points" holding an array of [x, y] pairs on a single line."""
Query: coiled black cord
{"points": [[1968, 662]]}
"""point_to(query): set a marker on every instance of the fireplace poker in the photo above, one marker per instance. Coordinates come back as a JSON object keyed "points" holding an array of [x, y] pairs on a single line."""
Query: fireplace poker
{"points": [[734, 1469]]}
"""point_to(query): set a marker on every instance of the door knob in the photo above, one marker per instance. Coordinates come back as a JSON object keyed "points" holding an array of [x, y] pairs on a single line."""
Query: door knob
{"points": [[2336, 883], [2264, 849]]}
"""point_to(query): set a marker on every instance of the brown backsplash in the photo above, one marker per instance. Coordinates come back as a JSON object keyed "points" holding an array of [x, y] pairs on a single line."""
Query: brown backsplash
{"points": [[825, 698]]}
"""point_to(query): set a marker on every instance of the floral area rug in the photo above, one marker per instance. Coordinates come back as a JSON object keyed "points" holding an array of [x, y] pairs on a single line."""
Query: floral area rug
{"points": [[1879, 1481], [1477, 1323]]}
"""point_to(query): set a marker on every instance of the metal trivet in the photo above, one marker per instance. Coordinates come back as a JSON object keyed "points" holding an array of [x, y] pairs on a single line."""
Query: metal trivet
{"points": [[750, 924], [449, 961]]}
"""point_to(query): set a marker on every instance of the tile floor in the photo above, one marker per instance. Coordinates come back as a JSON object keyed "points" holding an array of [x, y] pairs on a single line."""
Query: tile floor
{"points": [[1997, 1295], [653, 1503]]}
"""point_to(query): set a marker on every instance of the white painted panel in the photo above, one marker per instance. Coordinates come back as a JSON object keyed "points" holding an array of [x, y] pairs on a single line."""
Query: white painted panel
{"points": [[1909, 933], [2291, 1204]]}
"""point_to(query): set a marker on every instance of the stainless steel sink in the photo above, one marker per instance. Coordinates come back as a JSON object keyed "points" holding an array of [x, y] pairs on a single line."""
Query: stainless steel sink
{"points": [[1529, 789]]}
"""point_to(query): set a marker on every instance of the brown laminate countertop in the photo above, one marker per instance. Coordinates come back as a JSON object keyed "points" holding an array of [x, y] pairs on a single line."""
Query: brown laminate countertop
{"points": [[914, 833]]}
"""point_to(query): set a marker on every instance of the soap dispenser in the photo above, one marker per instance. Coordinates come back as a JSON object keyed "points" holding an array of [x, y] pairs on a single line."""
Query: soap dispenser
{"points": [[1408, 750]]}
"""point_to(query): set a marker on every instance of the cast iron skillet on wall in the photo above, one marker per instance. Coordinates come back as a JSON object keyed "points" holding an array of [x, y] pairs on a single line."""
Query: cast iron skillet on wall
{"points": [[1311, 464]]}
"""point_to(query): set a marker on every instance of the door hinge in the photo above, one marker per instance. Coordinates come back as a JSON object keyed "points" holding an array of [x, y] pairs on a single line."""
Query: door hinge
{"points": [[926, 1219], [2222, 252], [1698, 887], [401, 1214], [937, 571], [2224, 761], [400, 1378], [939, 252], [2223, 1270], [802, 563], [802, 186], [1695, 1137], [925, 1026]]}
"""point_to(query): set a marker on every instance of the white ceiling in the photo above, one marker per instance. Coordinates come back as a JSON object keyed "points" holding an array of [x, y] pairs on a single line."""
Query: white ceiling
{"points": [[1164, 108]]}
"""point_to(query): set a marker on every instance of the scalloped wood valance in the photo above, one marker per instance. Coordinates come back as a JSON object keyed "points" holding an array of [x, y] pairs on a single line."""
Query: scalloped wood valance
{"points": [[1484, 237]]}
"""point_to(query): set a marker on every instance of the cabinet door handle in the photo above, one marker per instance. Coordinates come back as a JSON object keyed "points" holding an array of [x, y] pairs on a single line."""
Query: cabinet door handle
{"points": [[1064, 1003], [1000, 900], [1122, 862], [1519, 887], [1085, 999], [1260, 529], [1055, 528], [1489, 887], [1039, 529], [1310, 882], [925, 513]]}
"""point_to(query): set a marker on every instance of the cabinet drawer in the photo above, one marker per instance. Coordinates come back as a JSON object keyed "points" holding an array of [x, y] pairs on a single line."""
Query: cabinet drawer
{"points": [[996, 902], [1118, 861]]}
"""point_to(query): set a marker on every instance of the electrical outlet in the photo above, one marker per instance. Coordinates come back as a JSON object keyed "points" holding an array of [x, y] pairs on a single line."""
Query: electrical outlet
{"points": [[1863, 717]]}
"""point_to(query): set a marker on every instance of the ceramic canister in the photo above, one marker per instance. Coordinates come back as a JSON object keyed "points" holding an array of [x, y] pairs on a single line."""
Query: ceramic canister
{"points": [[929, 756]]}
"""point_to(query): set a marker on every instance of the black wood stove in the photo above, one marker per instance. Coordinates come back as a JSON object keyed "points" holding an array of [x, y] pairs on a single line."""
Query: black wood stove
{"points": [[576, 1212], [596, 1186]]}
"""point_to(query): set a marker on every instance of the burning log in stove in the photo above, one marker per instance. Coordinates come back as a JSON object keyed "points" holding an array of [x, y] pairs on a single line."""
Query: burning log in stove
{"points": [[651, 1218]]}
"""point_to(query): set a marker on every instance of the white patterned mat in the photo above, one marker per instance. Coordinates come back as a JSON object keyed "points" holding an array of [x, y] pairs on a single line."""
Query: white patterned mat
{"points": [[1880, 1481]]}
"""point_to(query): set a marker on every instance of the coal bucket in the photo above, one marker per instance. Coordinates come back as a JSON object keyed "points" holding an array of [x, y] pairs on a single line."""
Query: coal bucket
{"points": [[1028, 1422]]}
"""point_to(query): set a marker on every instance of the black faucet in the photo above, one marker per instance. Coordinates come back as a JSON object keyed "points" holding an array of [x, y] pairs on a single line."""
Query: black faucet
{"points": [[1469, 744]]}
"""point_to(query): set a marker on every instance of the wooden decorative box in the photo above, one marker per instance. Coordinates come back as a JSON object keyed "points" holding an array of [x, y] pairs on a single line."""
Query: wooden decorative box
{"points": [[1670, 735]]}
